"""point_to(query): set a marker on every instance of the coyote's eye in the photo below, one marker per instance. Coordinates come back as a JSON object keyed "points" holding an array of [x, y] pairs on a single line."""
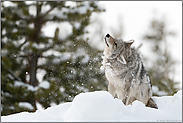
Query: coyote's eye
{"points": [[115, 44]]}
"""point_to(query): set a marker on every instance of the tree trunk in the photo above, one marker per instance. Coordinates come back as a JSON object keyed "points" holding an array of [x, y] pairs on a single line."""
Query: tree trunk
{"points": [[35, 56], [33, 69]]}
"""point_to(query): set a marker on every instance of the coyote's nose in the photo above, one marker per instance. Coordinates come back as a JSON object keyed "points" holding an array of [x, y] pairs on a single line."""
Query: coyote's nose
{"points": [[107, 36]]}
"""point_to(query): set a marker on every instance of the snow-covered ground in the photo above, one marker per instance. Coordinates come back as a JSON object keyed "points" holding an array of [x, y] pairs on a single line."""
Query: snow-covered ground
{"points": [[101, 106]]}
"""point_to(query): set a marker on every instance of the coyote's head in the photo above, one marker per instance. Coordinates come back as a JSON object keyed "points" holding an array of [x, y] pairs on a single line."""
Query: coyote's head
{"points": [[117, 48]]}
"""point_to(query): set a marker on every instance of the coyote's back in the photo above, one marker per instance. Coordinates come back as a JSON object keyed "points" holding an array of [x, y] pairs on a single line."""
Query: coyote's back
{"points": [[124, 69]]}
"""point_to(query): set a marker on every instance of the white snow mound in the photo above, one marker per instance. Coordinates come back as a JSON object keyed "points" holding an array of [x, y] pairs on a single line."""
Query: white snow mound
{"points": [[101, 106]]}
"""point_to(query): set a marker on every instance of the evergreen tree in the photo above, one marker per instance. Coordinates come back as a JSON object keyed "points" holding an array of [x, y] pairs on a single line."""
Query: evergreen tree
{"points": [[163, 65], [71, 65]]}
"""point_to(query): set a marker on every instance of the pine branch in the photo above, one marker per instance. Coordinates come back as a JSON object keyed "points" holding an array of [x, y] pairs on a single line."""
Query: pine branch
{"points": [[48, 11], [15, 76], [22, 44], [11, 72], [55, 19]]}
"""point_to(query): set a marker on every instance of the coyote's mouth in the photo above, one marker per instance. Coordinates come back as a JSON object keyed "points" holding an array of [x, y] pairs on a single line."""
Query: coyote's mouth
{"points": [[107, 36], [106, 42]]}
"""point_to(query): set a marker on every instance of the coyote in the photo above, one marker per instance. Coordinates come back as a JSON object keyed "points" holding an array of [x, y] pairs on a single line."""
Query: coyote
{"points": [[124, 69]]}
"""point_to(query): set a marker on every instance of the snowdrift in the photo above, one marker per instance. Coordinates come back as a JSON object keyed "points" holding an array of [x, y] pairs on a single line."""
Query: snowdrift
{"points": [[101, 106]]}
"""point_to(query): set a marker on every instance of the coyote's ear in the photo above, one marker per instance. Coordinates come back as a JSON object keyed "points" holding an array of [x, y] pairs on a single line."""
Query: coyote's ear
{"points": [[122, 59], [129, 43]]}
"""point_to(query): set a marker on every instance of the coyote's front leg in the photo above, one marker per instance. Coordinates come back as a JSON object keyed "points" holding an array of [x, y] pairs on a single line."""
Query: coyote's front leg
{"points": [[111, 89]]}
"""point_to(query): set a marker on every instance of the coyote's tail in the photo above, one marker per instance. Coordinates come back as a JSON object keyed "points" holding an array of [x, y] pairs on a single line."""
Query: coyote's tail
{"points": [[151, 104]]}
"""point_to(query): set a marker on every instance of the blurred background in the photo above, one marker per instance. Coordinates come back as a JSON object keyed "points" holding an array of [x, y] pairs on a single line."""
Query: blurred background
{"points": [[51, 51]]}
